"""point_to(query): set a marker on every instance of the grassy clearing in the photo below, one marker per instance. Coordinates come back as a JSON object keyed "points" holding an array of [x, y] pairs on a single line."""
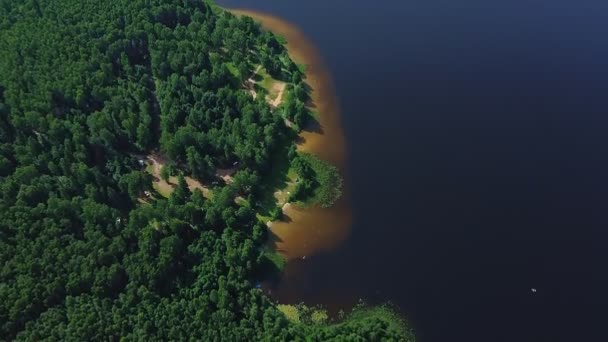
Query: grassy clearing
{"points": [[271, 86], [165, 188], [264, 79], [275, 179], [161, 187], [282, 195], [233, 69]]}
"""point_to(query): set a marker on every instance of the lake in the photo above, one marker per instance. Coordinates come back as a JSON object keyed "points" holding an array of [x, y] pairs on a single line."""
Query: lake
{"points": [[477, 162]]}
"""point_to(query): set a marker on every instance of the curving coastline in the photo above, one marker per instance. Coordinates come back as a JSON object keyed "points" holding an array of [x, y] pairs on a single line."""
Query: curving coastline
{"points": [[307, 231]]}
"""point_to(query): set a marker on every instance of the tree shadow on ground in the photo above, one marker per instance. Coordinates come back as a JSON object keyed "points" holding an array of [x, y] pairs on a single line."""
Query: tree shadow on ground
{"points": [[272, 260]]}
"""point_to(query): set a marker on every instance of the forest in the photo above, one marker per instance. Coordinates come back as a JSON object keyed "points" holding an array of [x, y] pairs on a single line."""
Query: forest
{"points": [[88, 249]]}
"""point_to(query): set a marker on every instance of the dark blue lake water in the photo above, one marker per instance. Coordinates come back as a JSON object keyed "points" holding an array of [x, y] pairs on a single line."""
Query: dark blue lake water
{"points": [[478, 163]]}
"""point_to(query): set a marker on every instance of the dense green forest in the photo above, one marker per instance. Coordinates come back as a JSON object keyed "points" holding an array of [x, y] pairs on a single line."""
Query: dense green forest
{"points": [[85, 87]]}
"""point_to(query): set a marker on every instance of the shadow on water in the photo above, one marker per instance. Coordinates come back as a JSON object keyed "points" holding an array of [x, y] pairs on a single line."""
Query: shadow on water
{"points": [[286, 218], [309, 103], [313, 126]]}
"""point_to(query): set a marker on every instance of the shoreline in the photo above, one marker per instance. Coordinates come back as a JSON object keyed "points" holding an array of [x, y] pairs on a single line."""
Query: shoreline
{"points": [[308, 231]]}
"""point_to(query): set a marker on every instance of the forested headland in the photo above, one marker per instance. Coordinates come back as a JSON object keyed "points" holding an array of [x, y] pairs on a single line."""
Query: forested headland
{"points": [[137, 144]]}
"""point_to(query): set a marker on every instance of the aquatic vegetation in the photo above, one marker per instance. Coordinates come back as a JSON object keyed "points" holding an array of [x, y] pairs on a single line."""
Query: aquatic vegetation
{"points": [[290, 311]]}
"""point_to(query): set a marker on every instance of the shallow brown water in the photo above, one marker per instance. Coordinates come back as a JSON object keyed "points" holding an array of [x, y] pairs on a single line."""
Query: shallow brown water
{"points": [[307, 231]]}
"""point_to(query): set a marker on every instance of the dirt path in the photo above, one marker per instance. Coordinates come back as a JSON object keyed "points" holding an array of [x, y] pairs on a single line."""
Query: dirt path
{"points": [[277, 87], [279, 98], [250, 82], [156, 161], [226, 174]]}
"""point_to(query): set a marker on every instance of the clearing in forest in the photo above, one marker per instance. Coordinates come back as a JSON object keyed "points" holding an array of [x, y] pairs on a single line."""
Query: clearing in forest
{"points": [[273, 88], [154, 163], [282, 195]]}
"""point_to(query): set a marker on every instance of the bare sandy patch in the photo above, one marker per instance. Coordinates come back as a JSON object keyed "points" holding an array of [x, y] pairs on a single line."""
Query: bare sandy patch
{"points": [[277, 90], [226, 174], [155, 163]]}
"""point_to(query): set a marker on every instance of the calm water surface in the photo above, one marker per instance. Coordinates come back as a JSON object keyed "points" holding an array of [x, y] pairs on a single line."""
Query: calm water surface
{"points": [[478, 164]]}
